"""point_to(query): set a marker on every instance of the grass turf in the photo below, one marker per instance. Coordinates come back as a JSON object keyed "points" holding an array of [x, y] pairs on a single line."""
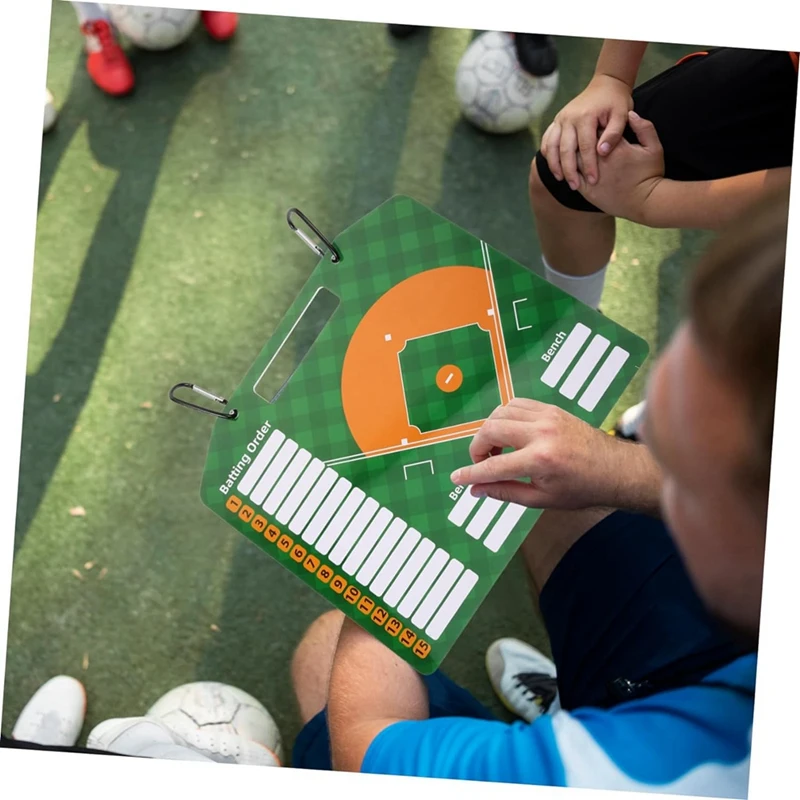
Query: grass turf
{"points": [[163, 255]]}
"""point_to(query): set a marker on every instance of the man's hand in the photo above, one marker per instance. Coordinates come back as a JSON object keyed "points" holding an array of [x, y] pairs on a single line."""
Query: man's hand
{"points": [[629, 175], [558, 461], [592, 123]]}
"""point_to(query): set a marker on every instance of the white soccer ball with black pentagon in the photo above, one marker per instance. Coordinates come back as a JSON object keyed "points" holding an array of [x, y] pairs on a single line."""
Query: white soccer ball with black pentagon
{"points": [[153, 28], [494, 92], [223, 722]]}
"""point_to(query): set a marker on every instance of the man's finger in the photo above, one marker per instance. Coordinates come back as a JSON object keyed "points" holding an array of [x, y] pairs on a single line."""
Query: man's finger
{"points": [[505, 467], [496, 433], [523, 494], [645, 131], [612, 134], [551, 150], [567, 151], [529, 404]]}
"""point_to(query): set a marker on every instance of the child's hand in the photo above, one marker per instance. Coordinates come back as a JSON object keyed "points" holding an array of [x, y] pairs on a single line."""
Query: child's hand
{"points": [[576, 129], [557, 460], [629, 176]]}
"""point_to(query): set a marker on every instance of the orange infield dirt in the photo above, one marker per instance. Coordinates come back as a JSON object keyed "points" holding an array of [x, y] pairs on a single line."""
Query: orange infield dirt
{"points": [[372, 389]]}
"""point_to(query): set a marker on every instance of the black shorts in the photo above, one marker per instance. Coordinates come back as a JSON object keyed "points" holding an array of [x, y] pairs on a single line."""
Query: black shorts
{"points": [[718, 114]]}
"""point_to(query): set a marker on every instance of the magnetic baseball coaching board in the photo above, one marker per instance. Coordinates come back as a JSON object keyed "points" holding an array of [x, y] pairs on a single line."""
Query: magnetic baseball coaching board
{"points": [[408, 342]]}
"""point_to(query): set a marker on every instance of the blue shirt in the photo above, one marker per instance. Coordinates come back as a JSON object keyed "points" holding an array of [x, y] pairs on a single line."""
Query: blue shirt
{"points": [[693, 740]]}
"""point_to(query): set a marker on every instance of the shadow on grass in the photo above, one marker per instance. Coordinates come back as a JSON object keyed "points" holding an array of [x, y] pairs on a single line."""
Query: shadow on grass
{"points": [[262, 598], [129, 136]]}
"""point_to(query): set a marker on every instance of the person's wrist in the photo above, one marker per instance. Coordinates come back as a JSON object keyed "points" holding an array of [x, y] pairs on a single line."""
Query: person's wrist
{"points": [[620, 484], [653, 212], [638, 479], [609, 79]]}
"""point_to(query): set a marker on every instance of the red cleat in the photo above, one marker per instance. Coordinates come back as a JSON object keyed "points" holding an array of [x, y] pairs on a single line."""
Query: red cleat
{"points": [[107, 64], [221, 25]]}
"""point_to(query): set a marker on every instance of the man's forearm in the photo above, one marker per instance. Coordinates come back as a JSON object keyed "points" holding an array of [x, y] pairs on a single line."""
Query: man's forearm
{"points": [[621, 60], [370, 688], [709, 205]]}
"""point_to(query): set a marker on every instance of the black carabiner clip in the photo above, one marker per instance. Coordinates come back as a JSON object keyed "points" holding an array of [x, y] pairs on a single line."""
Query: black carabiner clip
{"points": [[232, 414], [335, 258]]}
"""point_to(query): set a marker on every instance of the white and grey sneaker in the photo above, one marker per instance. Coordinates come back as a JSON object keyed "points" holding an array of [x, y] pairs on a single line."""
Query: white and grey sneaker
{"points": [[629, 425], [151, 737], [54, 715], [523, 678], [142, 737]]}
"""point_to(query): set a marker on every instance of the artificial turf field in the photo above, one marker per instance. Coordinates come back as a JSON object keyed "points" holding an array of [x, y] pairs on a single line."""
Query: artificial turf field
{"points": [[163, 255]]}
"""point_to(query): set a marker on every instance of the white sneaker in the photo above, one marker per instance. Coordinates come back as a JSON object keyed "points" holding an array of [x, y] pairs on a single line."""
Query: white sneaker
{"points": [[142, 737], [523, 678], [629, 425], [54, 715], [50, 112], [150, 737], [223, 721]]}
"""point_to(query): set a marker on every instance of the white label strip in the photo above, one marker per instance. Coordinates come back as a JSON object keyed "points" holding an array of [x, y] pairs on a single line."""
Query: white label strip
{"points": [[287, 481], [565, 355], [367, 541], [424, 581], [326, 511], [312, 502], [434, 599], [301, 489], [353, 531], [395, 562], [456, 598], [586, 363], [273, 471], [340, 520], [484, 515], [381, 552], [503, 527], [256, 469], [603, 379], [410, 571], [463, 506]]}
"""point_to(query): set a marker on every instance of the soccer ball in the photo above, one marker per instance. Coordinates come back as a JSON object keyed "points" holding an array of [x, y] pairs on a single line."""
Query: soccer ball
{"points": [[153, 28], [223, 722], [494, 92]]}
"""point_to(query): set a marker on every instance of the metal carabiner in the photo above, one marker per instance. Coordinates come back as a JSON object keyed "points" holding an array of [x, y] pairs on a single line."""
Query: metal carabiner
{"points": [[335, 257], [232, 414]]}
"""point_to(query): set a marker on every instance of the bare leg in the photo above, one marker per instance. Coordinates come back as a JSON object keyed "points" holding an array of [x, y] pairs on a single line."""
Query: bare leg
{"points": [[312, 662], [573, 242], [551, 537]]}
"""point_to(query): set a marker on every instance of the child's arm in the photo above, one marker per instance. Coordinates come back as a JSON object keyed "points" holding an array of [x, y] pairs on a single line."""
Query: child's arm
{"points": [[632, 186], [594, 121], [709, 205]]}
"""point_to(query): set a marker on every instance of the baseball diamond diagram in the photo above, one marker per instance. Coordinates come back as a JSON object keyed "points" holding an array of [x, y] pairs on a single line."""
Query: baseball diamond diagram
{"points": [[342, 476]]}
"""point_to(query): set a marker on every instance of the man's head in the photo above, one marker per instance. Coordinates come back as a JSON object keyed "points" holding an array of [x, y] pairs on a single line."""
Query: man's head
{"points": [[710, 413]]}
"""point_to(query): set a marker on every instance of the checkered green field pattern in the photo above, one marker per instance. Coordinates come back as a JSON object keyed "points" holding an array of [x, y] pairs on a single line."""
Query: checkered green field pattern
{"points": [[470, 349], [380, 531]]}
